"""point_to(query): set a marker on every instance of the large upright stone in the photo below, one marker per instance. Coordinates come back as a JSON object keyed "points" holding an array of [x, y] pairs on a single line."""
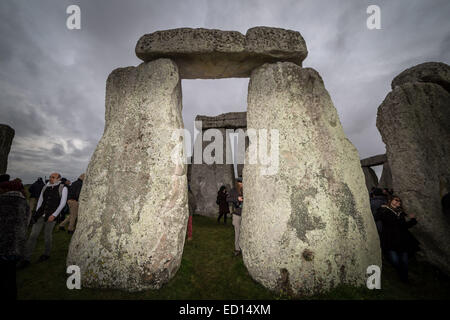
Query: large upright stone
{"points": [[308, 227], [428, 72], [206, 179], [370, 178], [211, 54], [386, 177], [6, 138], [414, 124], [133, 206]]}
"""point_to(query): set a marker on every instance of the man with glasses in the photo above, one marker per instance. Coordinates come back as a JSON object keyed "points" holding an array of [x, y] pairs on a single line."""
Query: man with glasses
{"points": [[51, 201]]}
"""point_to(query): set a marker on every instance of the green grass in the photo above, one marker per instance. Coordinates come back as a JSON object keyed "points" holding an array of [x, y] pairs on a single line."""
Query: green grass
{"points": [[209, 271]]}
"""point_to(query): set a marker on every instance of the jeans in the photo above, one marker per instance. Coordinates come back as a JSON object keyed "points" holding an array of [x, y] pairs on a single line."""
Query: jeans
{"points": [[400, 262], [35, 231]]}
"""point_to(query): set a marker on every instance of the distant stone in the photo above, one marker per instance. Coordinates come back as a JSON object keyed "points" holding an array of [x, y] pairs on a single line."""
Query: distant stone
{"points": [[230, 120], [6, 138], [307, 227], [386, 177], [370, 177], [211, 54], [431, 72], [414, 123], [133, 207], [374, 161]]}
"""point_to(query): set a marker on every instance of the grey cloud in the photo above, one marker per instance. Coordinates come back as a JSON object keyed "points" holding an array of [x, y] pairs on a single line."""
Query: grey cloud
{"points": [[53, 79]]}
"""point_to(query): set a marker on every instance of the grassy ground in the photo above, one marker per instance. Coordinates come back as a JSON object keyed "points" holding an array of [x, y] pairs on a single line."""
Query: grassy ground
{"points": [[210, 271]]}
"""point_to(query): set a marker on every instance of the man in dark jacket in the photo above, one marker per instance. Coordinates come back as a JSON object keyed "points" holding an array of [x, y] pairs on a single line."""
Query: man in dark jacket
{"points": [[74, 195], [14, 213], [237, 199], [52, 200]]}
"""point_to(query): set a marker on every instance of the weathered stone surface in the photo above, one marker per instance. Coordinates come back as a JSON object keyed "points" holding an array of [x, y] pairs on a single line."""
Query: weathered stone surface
{"points": [[386, 177], [370, 177], [309, 227], [431, 72], [374, 161], [206, 179], [133, 206], [6, 138], [230, 120], [211, 54], [414, 124]]}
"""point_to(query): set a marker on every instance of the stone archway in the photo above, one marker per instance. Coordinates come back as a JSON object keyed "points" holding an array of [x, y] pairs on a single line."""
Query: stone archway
{"points": [[305, 228], [206, 179]]}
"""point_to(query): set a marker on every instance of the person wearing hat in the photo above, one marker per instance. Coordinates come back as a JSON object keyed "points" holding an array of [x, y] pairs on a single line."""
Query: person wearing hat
{"points": [[237, 200]]}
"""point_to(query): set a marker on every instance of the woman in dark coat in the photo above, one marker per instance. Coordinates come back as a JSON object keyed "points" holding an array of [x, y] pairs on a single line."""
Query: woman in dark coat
{"points": [[396, 241], [224, 209]]}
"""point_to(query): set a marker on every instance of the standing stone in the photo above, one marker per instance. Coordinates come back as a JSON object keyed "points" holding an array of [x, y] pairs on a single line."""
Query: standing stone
{"points": [[386, 177], [133, 206], [206, 179], [6, 138], [414, 124], [370, 178], [309, 227]]}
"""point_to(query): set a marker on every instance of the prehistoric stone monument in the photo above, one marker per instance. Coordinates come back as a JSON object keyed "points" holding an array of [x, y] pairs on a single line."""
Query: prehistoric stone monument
{"points": [[305, 228], [6, 138], [206, 179], [370, 175], [133, 206], [309, 227], [414, 123]]}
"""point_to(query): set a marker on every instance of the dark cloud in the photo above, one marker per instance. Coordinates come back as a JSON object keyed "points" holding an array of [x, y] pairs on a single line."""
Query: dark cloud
{"points": [[52, 84]]}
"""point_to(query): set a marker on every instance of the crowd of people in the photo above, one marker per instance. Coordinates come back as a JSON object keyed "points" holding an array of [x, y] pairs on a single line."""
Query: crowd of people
{"points": [[50, 202], [56, 201]]}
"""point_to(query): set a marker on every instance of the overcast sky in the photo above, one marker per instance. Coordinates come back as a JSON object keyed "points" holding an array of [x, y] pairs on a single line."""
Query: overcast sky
{"points": [[52, 84]]}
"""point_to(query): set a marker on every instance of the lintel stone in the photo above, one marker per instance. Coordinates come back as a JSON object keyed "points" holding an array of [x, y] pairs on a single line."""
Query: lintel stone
{"points": [[211, 54]]}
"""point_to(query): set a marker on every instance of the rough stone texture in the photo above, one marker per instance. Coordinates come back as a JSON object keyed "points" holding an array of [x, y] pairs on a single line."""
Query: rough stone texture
{"points": [[309, 227], [230, 120], [211, 54], [374, 161], [414, 124], [133, 206], [370, 177], [386, 177], [206, 179], [431, 72], [6, 138]]}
